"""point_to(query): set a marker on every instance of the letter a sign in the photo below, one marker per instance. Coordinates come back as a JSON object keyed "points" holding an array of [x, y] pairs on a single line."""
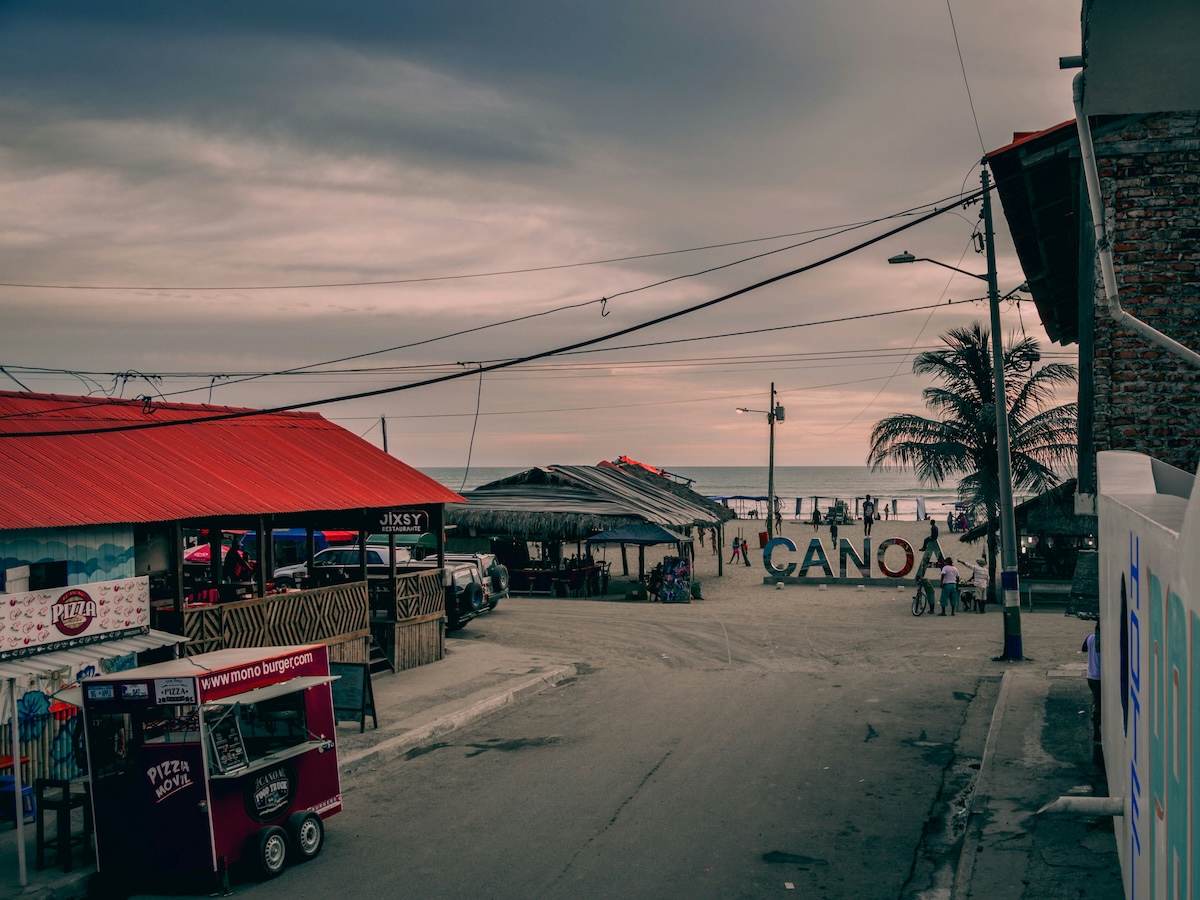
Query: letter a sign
{"points": [[404, 521]]}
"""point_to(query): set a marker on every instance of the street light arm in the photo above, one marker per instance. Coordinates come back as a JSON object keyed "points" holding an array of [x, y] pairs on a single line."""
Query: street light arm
{"points": [[907, 257]]}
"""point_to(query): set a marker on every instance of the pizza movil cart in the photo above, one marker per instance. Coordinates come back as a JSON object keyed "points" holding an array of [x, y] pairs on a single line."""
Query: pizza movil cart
{"points": [[200, 762]]}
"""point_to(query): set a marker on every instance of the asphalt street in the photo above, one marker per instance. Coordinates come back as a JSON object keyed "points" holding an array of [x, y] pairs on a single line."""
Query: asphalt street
{"points": [[716, 749]]}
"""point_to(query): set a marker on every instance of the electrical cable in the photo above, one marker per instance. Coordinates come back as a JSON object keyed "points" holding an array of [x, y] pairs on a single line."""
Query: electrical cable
{"points": [[658, 320], [966, 83], [433, 278]]}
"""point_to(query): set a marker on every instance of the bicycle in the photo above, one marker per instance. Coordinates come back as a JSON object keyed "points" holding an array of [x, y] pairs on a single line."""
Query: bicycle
{"points": [[923, 598]]}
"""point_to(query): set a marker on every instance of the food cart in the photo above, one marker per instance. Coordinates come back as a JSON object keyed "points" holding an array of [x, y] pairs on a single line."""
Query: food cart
{"points": [[198, 763]]}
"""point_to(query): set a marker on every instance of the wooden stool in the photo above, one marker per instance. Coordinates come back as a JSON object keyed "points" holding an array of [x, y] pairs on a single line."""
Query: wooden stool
{"points": [[63, 805]]}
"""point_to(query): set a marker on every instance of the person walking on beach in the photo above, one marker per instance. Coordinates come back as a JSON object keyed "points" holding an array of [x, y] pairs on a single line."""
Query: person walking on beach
{"points": [[833, 544], [746, 552], [868, 515], [737, 549], [949, 587], [816, 518]]}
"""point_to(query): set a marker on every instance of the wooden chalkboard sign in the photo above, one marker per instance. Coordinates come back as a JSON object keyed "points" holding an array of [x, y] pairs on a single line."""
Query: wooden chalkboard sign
{"points": [[225, 733], [353, 697]]}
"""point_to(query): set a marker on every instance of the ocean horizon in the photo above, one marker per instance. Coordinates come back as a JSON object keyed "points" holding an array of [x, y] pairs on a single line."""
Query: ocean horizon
{"points": [[900, 489]]}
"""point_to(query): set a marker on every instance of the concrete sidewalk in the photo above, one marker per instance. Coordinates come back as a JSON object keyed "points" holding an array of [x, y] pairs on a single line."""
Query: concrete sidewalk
{"points": [[1038, 747]]}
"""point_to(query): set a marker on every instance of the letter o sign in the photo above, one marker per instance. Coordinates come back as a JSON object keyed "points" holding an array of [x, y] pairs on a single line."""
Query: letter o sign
{"points": [[908, 557]]}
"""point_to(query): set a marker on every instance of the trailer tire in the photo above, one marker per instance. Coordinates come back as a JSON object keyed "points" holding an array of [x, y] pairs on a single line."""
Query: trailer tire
{"points": [[307, 834], [270, 851]]}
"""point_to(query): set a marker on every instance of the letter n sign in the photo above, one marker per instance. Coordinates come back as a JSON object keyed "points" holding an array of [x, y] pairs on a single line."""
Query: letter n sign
{"points": [[404, 521]]}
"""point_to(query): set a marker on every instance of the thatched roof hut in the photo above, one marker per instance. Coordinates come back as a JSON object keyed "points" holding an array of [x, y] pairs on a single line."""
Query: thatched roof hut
{"points": [[571, 503]]}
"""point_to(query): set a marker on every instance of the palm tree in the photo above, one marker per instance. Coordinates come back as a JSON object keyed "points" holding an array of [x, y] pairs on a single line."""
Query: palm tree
{"points": [[961, 442]]}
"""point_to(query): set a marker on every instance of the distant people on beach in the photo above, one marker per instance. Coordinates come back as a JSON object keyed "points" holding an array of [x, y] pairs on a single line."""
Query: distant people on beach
{"points": [[833, 537], [737, 549], [868, 514], [886, 508], [816, 517], [746, 552]]}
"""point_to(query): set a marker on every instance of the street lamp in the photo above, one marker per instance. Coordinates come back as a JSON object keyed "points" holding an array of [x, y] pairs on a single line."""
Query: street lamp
{"points": [[775, 414], [1009, 579]]}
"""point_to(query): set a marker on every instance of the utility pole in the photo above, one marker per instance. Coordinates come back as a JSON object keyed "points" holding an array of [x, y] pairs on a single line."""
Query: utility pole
{"points": [[383, 422], [1010, 583], [771, 416]]}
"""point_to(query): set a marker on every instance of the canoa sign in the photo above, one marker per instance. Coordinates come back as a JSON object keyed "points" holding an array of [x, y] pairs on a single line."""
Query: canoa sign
{"points": [[893, 558]]}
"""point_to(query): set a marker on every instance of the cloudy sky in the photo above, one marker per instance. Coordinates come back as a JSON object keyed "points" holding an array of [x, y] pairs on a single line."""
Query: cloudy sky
{"points": [[198, 193]]}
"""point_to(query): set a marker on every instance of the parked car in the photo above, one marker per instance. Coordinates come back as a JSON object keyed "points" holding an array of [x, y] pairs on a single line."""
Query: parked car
{"points": [[470, 596], [345, 557]]}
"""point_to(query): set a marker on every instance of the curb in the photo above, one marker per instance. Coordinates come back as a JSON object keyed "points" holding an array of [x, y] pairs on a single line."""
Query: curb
{"points": [[394, 747], [963, 873]]}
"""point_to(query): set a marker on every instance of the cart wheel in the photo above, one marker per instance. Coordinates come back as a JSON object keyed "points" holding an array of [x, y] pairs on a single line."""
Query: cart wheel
{"points": [[270, 851], [307, 833]]}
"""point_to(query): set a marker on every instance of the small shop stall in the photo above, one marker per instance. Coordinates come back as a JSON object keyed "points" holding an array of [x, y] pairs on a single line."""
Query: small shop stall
{"points": [[198, 763]]}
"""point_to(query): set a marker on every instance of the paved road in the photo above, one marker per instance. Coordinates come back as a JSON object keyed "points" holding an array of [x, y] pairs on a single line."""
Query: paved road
{"points": [[717, 749]]}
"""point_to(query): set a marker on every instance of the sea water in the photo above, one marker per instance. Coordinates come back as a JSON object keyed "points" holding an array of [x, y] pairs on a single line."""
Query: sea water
{"points": [[900, 489]]}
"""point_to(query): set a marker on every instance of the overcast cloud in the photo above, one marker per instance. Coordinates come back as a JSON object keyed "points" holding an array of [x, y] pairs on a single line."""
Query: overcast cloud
{"points": [[167, 147]]}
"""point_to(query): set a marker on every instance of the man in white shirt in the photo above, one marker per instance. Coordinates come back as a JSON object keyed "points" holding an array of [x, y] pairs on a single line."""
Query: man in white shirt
{"points": [[949, 587]]}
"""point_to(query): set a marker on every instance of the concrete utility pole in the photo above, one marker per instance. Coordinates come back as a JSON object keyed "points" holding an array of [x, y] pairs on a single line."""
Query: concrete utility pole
{"points": [[1010, 582], [771, 416]]}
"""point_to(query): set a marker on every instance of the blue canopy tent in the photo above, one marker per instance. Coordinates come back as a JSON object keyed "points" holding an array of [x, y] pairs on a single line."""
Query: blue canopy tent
{"points": [[642, 535]]}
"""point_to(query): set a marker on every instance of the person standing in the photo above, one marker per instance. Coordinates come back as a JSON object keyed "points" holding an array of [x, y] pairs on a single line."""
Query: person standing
{"points": [[949, 587], [979, 583], [868, 515], [816, 517], [833, 544], [737, 549], [746, 552], [1091, 646], [886, 509]]}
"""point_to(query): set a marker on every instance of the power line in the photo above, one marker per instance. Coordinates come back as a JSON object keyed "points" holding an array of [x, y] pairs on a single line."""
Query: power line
{"points": [[433, 278], [362, 395], [966, 83]]}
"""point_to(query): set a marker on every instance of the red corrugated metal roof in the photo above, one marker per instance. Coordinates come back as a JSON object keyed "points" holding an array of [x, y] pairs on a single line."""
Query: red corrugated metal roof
{"points": [[1024, 137], [272, 463]]}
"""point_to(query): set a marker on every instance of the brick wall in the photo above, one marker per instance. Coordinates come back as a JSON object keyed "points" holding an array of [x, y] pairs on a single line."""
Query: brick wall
{"points": [[1147, 399]]}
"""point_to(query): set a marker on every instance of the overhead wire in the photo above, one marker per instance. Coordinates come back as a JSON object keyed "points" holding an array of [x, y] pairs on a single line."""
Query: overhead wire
{"points": [[463, 276], [640, 326]]}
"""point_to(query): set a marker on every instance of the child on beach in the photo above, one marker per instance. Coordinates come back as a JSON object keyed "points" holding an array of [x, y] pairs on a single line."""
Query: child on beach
{"points": [[737, 549]]}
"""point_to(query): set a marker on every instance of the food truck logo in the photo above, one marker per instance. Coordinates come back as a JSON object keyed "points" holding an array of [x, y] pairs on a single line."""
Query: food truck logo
{"points": [[169, 778], [73, 612], [271, 792]]}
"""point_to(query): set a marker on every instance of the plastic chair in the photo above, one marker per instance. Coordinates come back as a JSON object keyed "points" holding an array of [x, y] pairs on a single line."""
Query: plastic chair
{"points": [[28, 807], [62, 805]]}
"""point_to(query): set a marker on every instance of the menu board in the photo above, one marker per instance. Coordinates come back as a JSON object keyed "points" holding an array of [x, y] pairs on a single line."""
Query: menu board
{"points": [[225, 735]]}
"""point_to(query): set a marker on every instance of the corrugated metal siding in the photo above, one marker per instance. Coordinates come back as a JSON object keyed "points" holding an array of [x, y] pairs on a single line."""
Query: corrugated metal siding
{"points": [[95, 553], [277, 463]]}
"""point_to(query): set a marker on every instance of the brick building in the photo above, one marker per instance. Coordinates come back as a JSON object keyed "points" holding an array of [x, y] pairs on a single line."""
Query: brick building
{"points": [[1134, 394]]}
